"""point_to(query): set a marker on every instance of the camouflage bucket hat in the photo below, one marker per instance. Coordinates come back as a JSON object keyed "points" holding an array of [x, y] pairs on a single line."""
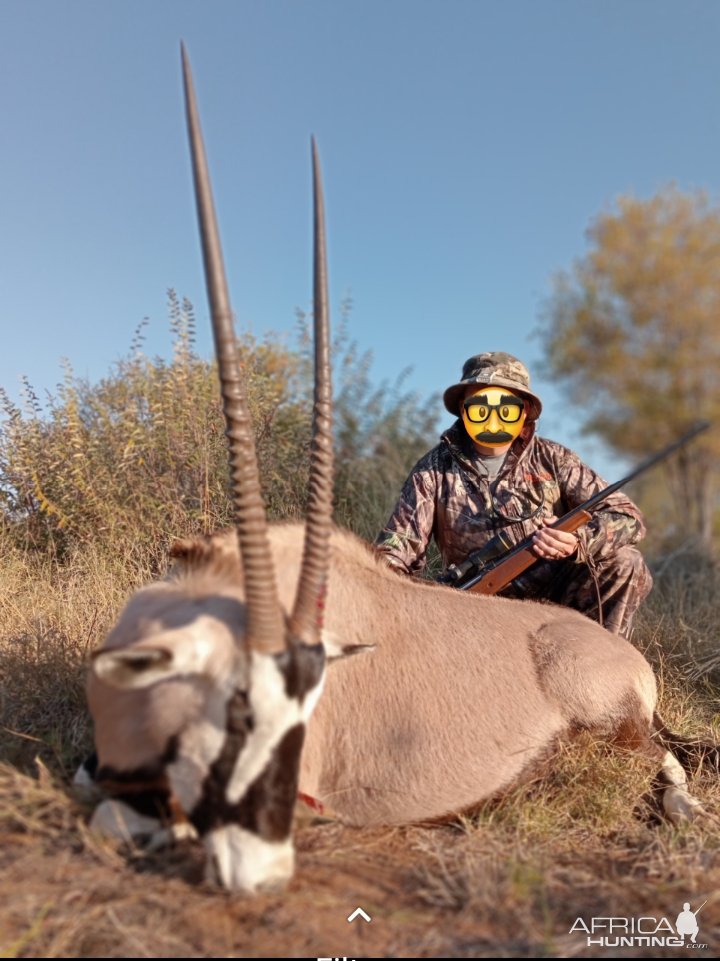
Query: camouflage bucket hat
{"points": [[495, 369]]}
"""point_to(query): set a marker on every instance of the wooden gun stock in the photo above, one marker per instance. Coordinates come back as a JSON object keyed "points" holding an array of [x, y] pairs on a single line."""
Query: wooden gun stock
{"points": [[519, 559]]}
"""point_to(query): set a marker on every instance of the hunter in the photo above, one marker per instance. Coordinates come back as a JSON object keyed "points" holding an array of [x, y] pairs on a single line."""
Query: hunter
{"points": [[492, 473]]}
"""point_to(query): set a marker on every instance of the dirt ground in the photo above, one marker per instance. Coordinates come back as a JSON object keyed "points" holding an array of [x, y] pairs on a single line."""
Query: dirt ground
{"points": [[476, 888]]}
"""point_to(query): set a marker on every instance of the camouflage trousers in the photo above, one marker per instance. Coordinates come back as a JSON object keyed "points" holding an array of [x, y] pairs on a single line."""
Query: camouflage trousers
{"points": [[622, 582]]}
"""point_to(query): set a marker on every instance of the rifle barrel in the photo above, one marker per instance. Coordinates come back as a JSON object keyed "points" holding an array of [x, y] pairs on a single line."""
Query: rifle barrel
{"points": [[647, 463]]}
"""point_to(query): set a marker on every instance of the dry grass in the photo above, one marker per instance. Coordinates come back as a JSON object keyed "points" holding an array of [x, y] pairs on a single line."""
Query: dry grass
{"points": [[682, 620], [507, 882], [51, 616]]}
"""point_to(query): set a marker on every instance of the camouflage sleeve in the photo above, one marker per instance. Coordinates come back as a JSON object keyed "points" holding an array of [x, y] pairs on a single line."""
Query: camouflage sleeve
{"points": [[404, 539], [616, 522]]}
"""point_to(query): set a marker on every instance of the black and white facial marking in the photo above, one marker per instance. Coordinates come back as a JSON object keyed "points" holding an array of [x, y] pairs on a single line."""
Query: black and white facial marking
{"points": [[244, 807], [147, 777], [190, 716], [145, 789], [134, 804]]}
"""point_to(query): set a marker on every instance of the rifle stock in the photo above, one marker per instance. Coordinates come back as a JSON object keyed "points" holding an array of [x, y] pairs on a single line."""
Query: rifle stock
{"points": [[519, 559]]}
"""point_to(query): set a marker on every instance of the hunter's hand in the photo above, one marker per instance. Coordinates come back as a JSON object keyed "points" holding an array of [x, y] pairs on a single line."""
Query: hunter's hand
{"points": [[554, 545]]}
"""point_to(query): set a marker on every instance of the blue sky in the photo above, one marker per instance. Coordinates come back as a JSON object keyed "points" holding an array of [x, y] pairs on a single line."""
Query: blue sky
{"points": [[466, 147]]}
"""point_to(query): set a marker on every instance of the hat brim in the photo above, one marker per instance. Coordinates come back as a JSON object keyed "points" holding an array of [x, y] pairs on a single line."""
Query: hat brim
{"points": [[453, 395]]}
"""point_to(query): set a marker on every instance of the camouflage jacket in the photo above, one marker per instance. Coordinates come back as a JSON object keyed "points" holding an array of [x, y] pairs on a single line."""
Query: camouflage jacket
{"points": [[447, 496]]}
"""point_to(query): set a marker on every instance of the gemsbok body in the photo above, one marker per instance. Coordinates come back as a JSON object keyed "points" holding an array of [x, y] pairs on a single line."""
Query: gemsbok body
{"points": [[278, 659]]}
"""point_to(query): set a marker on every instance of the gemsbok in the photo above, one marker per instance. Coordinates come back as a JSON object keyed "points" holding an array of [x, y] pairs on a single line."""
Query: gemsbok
{"points": [[202, 694]]}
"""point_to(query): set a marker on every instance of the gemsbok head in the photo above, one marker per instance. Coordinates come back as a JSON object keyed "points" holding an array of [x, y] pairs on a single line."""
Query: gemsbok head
{"points": [[202, 692], [204, 689]]}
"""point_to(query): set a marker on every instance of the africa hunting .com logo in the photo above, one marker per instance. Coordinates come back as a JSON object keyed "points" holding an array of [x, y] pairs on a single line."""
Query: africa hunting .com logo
{"points": [[643, 932]]}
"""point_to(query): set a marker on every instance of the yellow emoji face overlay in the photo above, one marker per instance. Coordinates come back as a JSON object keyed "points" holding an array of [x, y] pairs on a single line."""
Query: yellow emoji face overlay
{"points": [[493, 417]]}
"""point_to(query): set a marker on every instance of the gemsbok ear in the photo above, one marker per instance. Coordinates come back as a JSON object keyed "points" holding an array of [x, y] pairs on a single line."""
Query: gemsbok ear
{"points": [[335, 650], [190, 550], [213, 553], [134, 668]]}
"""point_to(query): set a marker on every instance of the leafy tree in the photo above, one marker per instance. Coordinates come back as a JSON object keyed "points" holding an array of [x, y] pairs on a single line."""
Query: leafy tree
{"points": [[633, 334]]}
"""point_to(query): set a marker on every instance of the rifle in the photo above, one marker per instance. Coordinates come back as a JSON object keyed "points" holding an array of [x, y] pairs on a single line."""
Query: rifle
{"points": [[492, 567]]}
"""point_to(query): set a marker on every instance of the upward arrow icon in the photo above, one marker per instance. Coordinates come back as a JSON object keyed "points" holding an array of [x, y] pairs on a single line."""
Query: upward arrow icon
{"points": [[359, 913]]}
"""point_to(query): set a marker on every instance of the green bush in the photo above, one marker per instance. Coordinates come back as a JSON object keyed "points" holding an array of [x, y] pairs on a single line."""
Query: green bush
{"points": [[140, 457]]}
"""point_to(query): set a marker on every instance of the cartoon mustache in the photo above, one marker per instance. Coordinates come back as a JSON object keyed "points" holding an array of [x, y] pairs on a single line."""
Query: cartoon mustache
{"points": [[488, 437]]}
